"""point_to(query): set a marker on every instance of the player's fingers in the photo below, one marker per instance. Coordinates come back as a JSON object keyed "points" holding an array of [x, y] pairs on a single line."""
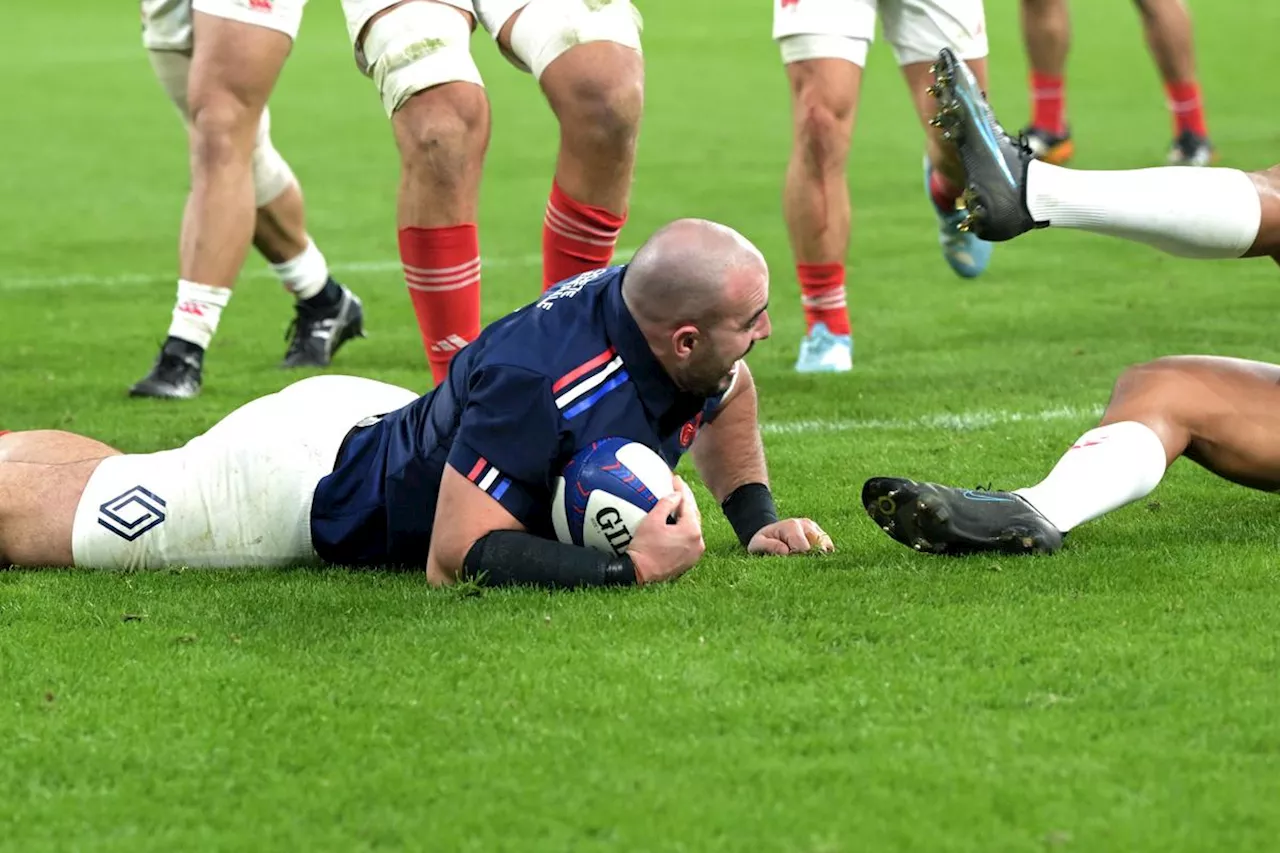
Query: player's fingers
{"points": [[773, 547], [668, 507], [792, 533], [817, 537]]}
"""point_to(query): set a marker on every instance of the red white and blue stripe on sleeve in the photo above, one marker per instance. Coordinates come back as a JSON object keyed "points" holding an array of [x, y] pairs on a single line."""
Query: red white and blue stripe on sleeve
{"points": [[489, 479], [585, 385]]}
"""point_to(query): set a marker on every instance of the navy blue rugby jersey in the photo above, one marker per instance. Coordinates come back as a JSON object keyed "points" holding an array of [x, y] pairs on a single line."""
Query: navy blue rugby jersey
{"points": [[519, 401]]}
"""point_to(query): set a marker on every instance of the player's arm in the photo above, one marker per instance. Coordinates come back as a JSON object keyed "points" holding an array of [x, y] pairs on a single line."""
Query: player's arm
{"points": [[494, 488], [729, 456], [476, 538]]}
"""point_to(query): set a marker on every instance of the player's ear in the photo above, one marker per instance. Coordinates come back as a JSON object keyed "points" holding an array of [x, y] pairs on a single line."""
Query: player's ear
{"points": [[684, 339]]}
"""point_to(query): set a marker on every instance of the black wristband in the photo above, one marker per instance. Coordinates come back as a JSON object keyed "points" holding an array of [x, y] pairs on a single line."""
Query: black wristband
{"points": [[749, 508], [513, 557]]}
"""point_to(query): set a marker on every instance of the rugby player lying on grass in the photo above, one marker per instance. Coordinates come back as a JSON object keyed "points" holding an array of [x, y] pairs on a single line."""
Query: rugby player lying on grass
{"points": [[1222, 413], [354, 472]]}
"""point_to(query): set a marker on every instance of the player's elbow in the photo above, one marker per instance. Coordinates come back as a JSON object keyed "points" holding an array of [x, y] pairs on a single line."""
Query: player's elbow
{"points": [[446, 565]]}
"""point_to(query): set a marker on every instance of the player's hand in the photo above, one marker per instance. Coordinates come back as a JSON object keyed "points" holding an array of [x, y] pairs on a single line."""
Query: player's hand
{"points": [[791, 536], [663, 550]]}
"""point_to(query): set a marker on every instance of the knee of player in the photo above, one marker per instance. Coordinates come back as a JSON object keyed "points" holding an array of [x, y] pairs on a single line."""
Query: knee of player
{"points": [[1152, 388], [442, 127], [821, 131], [222, 130], [603, 107], [1267, 178]]}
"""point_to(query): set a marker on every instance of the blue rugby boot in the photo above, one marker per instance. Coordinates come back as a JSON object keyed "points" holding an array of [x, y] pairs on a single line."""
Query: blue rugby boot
{"points": [[995, 164]]}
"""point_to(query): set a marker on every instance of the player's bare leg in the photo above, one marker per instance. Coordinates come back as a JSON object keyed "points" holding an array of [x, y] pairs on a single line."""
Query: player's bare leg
{"points": [[440, 118], [42, 475], [586, 58], [597, 93], [233, 70], [280, 231], [442, 135], [1046, 35], [1167, 27], [328, 314], [815, 204], [1190, 212], [967, 255], [1221, 413]]}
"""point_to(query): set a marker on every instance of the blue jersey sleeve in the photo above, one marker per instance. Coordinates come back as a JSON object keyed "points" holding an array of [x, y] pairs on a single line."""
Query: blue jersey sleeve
{"points": [[508, 439]]}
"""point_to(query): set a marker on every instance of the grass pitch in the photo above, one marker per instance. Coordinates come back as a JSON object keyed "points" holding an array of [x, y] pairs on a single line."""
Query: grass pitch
{"points": [[1123, 695]]}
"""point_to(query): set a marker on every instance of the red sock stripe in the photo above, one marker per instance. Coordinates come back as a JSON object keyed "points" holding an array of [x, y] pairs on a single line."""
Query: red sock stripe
{"points": [[1186, 107], [1048, 102], [442, 271], [822, 296], [576, 237]]}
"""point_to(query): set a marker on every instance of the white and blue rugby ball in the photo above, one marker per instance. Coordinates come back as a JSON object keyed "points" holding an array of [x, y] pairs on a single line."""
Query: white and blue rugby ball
{"points": [[606, 491]]}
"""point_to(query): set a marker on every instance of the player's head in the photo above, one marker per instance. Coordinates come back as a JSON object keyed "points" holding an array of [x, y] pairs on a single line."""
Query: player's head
{"points": [[699, 291]]}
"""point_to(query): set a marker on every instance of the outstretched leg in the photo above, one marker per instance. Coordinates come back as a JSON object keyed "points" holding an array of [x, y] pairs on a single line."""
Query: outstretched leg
{"points": [[1190, 212], [1222, 413]]}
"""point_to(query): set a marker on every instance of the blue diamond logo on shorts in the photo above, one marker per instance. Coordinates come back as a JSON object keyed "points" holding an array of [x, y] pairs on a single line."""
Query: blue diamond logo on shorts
{"points": [[132, 514]]}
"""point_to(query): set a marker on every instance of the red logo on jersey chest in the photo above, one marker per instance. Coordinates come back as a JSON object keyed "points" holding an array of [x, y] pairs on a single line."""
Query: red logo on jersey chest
{"points": [[689, 431], [260, 5], [786, 3]]}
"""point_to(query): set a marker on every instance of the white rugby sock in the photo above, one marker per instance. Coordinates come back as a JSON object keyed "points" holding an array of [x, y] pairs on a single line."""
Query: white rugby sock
{"points": [[197, 311], [305, 275], [1105, 469], [1183, 210]]}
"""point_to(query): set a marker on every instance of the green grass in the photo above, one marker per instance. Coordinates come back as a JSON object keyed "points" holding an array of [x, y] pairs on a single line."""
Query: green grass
{"points": [[1120, 696]]}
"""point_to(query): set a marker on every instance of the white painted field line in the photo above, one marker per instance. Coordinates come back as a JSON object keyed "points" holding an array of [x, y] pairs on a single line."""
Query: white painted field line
{"points": [[42, 282], [955, 421]]}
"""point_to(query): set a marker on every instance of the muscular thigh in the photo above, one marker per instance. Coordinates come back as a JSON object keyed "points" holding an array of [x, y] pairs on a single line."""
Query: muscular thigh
{"points": [[1230, 408], [235, 61], [37, 506]]}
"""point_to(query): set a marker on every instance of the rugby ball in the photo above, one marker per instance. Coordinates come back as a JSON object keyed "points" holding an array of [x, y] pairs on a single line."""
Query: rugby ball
{"points": [[605, 492]]}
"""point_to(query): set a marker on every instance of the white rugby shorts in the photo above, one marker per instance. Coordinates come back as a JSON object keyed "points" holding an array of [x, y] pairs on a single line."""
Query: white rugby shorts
{"points": [[238, 495], [917, 29], [166, 24]]}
